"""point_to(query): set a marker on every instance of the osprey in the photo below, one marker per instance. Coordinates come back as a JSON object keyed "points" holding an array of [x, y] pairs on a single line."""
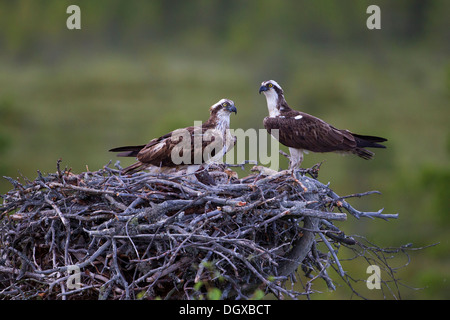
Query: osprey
{"points": [[193, 145], [302, 132]]}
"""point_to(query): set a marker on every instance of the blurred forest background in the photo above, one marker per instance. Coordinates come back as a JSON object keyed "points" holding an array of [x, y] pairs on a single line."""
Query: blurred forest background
{"points": [[138, 69]]}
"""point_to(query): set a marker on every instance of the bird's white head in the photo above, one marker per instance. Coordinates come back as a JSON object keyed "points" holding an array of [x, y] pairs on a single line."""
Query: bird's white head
{"points": [[270, 86], [224, 106], [221, 111], [274, 93]]}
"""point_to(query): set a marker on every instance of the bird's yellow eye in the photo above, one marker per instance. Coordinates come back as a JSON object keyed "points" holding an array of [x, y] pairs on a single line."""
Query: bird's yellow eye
{"points": [[270, 85], [225, 104]]}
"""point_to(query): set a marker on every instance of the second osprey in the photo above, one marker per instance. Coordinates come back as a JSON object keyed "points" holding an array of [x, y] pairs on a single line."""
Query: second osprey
{"points": [[302, 132]]}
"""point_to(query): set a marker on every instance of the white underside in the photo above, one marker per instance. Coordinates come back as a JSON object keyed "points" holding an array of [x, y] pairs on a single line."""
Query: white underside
{"points": [[227, 145]]}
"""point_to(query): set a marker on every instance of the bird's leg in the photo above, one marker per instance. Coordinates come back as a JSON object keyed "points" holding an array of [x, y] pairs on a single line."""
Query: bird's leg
{"points": [[295, 159], [294, 165]]}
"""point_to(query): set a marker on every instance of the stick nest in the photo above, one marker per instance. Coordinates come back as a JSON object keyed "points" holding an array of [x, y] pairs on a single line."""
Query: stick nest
{"points": [[103, 235]]}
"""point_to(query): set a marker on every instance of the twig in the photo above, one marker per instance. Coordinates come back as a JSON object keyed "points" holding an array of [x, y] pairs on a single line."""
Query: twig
{"points": [[61, 216], [147, 235], [333, 253]]}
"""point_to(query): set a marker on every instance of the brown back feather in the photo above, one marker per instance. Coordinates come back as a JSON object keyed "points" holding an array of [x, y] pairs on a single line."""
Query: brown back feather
{"points": [[309, 133]]}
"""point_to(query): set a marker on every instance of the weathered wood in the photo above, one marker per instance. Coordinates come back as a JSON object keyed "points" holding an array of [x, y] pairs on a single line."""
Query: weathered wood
{"points": [[148, 236]]}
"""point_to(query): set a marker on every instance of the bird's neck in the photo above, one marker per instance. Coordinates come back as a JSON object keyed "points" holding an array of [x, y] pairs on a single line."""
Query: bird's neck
{"points": [[223, 123], [276, 104], [218, 122]]}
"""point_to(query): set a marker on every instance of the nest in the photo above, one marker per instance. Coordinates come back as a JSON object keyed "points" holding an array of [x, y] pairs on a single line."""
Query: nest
{"points": [[103, 235]]}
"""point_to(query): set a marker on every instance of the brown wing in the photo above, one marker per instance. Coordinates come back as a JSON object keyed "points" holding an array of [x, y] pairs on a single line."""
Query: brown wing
{"points": [[158, 152], [133, 151], [309, 133], [155, 152]]}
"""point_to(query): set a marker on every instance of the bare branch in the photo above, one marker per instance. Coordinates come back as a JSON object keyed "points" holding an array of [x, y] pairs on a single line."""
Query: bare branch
{"points": [[147, 236]]}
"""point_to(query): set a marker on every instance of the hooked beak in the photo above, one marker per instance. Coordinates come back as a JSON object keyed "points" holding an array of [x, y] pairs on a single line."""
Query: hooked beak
{"points": [[232, 108], [263, 88]]}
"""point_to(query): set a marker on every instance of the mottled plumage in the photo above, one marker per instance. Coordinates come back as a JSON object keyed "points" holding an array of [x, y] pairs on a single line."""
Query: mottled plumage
{"points": [[212, 134]]}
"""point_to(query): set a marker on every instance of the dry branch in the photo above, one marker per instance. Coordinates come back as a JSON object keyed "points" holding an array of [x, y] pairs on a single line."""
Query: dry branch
{"points": [[147, 236]]}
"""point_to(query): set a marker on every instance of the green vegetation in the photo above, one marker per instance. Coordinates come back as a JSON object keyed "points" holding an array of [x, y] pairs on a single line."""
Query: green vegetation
{"points": [[138, 69]]}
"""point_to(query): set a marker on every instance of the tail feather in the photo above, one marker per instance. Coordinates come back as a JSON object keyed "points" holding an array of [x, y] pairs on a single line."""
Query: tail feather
{"points": [[128, 151], [368, 141], [364, 153]]}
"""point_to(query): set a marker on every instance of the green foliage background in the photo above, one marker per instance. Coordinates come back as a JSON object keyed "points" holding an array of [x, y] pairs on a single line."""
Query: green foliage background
{"points": [[138, 69]]}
